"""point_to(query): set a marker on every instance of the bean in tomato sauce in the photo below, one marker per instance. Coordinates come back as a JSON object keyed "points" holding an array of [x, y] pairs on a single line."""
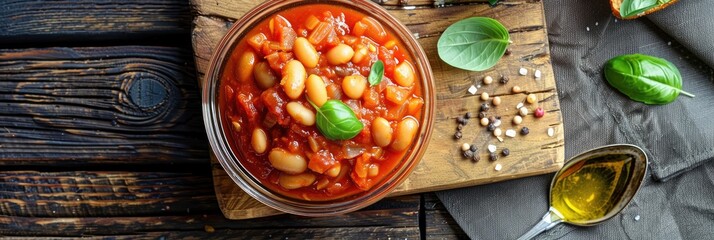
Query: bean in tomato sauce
{"points": [[290, 65]]}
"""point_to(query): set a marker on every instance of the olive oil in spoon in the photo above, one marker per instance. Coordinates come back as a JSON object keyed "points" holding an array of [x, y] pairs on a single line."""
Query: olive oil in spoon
{"points": [[593, 187]]}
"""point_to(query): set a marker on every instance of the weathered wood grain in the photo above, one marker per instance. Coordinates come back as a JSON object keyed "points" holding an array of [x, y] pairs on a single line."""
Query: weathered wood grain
{"points": [[442, 167], [72, 22], [438, 223], [104, 193], [104, 105]]}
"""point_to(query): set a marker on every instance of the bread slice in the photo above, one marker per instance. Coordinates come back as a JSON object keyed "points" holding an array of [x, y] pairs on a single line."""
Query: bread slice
{"points": [[615, 7]]}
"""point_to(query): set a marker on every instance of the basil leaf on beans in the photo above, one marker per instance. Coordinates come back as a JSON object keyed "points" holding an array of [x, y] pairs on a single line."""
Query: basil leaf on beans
{"points": [[376, 73], [644, 78], [474, 44], [631, 8], [492, 2], [337, 121]]}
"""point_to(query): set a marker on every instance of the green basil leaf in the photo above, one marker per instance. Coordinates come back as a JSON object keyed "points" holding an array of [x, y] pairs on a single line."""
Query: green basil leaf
{"points": [[492, 2], [631, 8], [474, 44], [644, 78], [377, 73], [337, 121]]}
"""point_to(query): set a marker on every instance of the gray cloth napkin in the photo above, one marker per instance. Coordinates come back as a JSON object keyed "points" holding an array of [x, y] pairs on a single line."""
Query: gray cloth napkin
{"points": [[677, 137]]}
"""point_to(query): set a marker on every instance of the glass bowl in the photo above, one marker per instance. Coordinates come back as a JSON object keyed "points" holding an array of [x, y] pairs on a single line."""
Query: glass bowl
{"points": [[229, 157]]}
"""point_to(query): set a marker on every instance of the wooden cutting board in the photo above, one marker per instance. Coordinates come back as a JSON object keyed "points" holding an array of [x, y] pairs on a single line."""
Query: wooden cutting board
{"points": [[443, 166]]}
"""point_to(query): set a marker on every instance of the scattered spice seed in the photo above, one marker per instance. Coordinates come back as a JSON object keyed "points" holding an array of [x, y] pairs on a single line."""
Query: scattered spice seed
{"points": [[500, 139], [484, 107], [519, 105], [516, 89], [523, 111], [498, 167], [460, 119], [497, 132], [537, 74], [525, 131], [551, 132], [522, 71], [505, 152], [469, 115], [484, 96], [487, 80], [491, 148], [508, 52], [504, 79], [473, 148], [493, 157], [468, 154], [492, 119], [460, 127], [465, 147], [497, 123], [473, 90], [481, 114], [496, 101], [539, 112], [458, 135], [476, 157], [511, 133], [532, 98], [484, 121], [517, 120], [491, 127]]}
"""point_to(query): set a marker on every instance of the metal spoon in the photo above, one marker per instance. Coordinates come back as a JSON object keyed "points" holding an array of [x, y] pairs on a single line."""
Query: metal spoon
{"points": [[631, 155]]}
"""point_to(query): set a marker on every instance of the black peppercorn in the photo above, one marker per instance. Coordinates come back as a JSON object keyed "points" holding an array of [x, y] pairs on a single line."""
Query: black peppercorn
{"points": [[493, 157], [484, 107], [460, 127], [481, 115], [476, 157], [460, 119], [491, 119], [458, 135], [491, 127], [508, 52], [504, 79], [524, 131], [469, 115], [468, 154], [505, 152], [473, 148]]}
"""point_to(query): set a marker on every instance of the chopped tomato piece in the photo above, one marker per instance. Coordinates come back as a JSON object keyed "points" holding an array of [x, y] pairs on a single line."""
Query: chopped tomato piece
{"points": [[246, 102], [311, 22], [359, 29], [396, 94], [374, 29], [274, 100], [274, 62], [321, 161], [396, 112], [276, 25], [388, 58], [370, 98], [287, 38], [414, 106], [256, 41]]}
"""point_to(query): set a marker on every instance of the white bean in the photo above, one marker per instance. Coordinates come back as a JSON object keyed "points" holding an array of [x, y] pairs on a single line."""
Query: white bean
{"points": [[287, 162], [300, 113], [296, 181], [259, 140]]}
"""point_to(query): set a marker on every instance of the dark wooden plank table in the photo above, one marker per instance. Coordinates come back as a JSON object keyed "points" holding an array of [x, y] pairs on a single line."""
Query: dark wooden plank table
{"points": [[101, 134]]}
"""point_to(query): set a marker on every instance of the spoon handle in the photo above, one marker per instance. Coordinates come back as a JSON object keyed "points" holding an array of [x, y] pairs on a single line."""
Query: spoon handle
{"points": [[549, 220]]}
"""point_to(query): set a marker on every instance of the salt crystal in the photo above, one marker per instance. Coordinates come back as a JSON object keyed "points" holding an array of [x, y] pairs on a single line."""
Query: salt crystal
{"points": [[551, 132], [497, 123], [537, 74], [597, 23], [669, 43], [587, 29], [637, 218], [498, 167], [492, 148], [473, 90], [511, 133], [523, 71], [615, 19], [520, 105]]}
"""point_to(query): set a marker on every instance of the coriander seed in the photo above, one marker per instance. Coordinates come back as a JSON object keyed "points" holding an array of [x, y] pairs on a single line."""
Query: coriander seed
{"points": [[517, 120], [523, 111], [496, 101], [484, 121], [497, 132], [516, 89], [487, 80], [532, 98], [465, 147], [484, 96]]}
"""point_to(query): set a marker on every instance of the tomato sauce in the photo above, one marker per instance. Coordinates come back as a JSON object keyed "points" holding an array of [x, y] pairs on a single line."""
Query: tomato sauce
{"points": [[288, 154]]}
